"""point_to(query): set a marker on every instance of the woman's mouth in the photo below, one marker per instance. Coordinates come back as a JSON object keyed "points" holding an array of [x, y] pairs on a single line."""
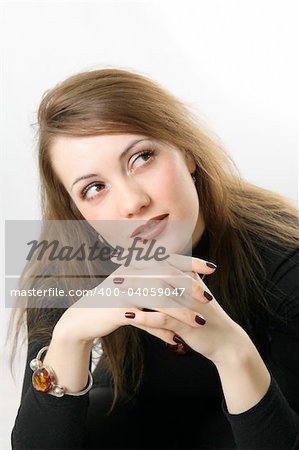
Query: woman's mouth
{"points": [[152, 228]]}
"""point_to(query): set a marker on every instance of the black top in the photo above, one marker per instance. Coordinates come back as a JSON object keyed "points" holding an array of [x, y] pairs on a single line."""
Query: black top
{"points": [[180, 404]]}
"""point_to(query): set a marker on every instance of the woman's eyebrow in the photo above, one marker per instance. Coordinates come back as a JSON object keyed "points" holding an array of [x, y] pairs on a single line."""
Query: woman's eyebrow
{"points": [[121, 156]]}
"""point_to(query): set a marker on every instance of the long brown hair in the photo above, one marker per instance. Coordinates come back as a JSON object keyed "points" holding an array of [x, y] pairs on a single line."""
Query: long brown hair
{"points": [[237, 214]]}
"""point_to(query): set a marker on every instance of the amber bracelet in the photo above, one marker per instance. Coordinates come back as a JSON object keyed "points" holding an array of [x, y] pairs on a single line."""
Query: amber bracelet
{"points": [[44, 378]]}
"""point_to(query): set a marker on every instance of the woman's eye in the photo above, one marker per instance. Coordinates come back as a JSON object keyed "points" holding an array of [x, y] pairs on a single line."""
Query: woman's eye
{"points": [[93, 190], [147, 154]]}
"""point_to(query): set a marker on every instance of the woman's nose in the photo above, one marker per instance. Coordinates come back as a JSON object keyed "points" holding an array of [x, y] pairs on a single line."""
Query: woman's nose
{"points": [[131, 199]]}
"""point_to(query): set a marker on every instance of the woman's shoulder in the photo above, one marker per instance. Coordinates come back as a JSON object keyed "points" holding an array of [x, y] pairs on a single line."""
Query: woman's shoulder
{"points": [[278, 257], [281, 282]]}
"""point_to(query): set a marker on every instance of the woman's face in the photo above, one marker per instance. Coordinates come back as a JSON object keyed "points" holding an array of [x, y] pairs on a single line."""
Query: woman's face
{"points": [[129, 179]]}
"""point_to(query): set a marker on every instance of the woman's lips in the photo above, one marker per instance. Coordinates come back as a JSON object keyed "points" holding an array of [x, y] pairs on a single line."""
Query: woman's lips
{"points": [[151, 230]]}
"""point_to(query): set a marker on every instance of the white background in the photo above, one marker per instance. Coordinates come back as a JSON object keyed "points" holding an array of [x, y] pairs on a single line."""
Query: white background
{"points": [[232, 61]]}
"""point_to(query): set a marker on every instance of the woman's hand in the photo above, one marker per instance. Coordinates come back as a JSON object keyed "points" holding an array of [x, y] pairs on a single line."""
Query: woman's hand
{"points": [[199, 322], [204, 326], [100, 312]]}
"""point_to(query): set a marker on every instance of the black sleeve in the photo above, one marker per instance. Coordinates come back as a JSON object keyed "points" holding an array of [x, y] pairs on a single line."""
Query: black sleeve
{"points": [[44, 421], [273, 423]]}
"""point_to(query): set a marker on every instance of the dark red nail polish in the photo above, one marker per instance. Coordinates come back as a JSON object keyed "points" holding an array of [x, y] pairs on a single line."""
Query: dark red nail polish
{"points": [[118, 280], [200, 320], [211, 265], [130, 315], [180, 348], [178, 340], [207, 295]]}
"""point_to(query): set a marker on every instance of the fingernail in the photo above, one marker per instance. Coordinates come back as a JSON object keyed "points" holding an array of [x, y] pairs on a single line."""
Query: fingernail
{"points": [[207, 295], [178, 340], [130, 315], [211, 265], [118, 280], [200, 320], [178, 349]]}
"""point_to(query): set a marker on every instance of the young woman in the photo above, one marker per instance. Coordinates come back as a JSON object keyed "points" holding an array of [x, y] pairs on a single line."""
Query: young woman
{"points": [[219, 372]]}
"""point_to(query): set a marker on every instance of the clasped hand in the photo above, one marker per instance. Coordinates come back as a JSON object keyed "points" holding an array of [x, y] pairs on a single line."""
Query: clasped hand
{"points": [[201, 323], [196, 316]]}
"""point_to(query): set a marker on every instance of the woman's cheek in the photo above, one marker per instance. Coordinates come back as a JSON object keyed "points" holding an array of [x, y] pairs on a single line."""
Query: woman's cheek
{"points": [[164, 183], [88, 212], [168, 179]]}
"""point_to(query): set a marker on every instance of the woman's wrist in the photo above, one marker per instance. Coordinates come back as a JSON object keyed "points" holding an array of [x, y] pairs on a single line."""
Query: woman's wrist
{"points": [[244, 377], [235, 345], [69, 359], [70, 337], [68, 329]]}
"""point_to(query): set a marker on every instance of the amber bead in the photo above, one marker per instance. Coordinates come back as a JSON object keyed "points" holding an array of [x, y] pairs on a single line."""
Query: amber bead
{"points": [[41, 380]]}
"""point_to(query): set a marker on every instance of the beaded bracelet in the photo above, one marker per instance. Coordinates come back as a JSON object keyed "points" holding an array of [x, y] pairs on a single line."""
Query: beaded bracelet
{"points": [[44, 378]]}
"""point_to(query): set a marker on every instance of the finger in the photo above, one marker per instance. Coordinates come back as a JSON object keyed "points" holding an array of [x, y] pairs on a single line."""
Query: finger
{"points": [[115, 260], [168, 274], [170, 289], [184, 315], [194, 308], [155, 319], [201, 292], [151, 290], [181, 262], [164, 335], [195, 276], [189, 264], [209, 309]]}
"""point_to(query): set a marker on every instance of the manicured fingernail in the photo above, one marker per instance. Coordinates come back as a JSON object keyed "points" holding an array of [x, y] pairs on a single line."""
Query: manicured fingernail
{"points": [[211, 265], [180, 347], [118, 280], [130, 315], [178, 340], [207, 295], [200, 320]]}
